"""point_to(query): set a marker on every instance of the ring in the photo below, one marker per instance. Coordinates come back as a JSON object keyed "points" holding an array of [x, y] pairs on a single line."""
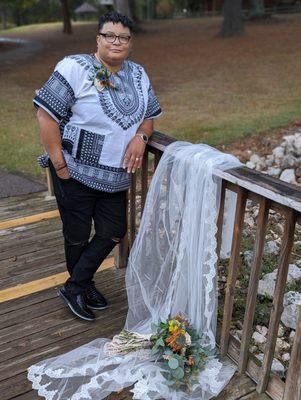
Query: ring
{"points": [[137, 158]]}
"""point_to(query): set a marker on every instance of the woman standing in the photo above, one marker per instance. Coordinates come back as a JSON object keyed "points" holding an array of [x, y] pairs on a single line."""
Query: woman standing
{"points": [[95, 115]]}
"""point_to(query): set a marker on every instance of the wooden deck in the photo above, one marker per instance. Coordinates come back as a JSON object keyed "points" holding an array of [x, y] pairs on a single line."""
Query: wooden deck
{"points": [[34, 322]]}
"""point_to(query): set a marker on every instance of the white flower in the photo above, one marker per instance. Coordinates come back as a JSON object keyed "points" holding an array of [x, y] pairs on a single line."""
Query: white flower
{"points": [[187, 339]]}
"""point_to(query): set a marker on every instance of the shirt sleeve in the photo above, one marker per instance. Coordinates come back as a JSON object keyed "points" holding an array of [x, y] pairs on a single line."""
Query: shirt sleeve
{"points": [[153, 109], [57, 95]]}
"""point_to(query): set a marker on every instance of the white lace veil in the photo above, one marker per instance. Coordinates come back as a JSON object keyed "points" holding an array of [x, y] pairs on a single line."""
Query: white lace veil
{"points": [[172, 269]]}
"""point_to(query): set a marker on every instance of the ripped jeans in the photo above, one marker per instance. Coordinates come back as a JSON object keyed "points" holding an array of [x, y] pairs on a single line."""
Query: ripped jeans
{"points": [[79, 205]]}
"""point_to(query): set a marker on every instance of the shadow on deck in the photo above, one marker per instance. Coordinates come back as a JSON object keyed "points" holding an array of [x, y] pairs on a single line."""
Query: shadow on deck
{"points": [[34, 322]]}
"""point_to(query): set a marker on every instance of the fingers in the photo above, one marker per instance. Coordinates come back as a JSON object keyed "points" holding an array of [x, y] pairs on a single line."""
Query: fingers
{"points": [[132, 162]]}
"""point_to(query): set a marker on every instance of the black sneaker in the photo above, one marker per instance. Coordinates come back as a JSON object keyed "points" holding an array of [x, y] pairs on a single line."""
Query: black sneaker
{"points": [[94, 299], [76, 304]]}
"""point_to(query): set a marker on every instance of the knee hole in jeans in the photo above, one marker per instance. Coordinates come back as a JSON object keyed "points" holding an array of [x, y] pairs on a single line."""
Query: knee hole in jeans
{"points": [[116, 240]]}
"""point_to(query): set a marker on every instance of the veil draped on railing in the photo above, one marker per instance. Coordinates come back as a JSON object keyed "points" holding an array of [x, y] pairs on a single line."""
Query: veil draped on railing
{"points": [[171, 269]]}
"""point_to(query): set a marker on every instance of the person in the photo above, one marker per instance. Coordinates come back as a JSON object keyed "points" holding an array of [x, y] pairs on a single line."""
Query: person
{"points": [[95, 115]]}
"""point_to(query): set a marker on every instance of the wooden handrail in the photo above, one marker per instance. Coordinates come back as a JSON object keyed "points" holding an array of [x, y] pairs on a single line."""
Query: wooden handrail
{"points": [[270, 194]]}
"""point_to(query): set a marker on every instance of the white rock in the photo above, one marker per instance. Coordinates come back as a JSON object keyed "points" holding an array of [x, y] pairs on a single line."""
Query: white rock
{"points": [[280, 228], [288, 141], [271, 247], [263, 330], [294, 273], [286, 357], [288, 161], [251, 165], [277, 367], [275, 172], [288, 175], [297, 145], [281, 331], [248, 257], [258, 161], [267, 283], [278, 152], [250, 221], [292, 298], [290, 312], [269, 161], [253, 349], [255, 159], [292, 337], [281, 346], [259, 338]]}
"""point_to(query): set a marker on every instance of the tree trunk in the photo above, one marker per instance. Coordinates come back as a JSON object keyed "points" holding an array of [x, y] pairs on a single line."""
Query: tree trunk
{"points": [[257, 9], [67, 28], [213, 7], [3, 18], [233, 24], [123, 7]]}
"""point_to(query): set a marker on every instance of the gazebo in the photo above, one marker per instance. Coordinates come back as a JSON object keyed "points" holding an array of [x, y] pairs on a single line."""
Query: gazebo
{"points": [[86, 11]]}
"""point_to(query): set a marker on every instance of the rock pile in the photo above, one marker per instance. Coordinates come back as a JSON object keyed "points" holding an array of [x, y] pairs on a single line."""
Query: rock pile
{"points": [[284, 162]]}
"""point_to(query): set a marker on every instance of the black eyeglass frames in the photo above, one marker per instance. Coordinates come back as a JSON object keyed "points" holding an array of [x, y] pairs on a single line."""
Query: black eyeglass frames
{"points": [[111, 38]]}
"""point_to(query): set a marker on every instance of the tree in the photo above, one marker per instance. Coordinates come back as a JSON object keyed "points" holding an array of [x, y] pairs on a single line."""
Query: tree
{"points": [[67, 28], [124, 7], [233, 24]]}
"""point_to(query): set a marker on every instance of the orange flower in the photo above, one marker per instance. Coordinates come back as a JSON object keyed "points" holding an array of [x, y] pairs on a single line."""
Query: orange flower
{"points": [[172, 341], [181, 319], [190, 361]]}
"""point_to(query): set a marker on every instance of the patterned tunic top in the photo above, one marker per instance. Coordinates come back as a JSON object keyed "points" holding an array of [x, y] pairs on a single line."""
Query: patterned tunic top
{"points": [[96, 127]]}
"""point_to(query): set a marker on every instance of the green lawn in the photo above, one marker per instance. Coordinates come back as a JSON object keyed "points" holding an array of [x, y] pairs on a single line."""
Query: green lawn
{"points": [[212, 90]]}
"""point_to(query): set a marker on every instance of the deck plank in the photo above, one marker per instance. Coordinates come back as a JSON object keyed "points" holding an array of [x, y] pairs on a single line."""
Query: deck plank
{"points": [[39, 325]]}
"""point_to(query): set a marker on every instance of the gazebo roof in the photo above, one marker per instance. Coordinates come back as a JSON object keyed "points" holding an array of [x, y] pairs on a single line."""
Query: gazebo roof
{"points": [[86, 8]]}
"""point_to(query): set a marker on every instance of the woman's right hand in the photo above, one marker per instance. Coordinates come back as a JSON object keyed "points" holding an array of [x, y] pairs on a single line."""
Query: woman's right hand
{"points": [[63, 173]]}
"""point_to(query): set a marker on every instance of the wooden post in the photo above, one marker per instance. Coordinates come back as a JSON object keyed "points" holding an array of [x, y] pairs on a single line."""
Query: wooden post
{"points": [[132, 219], [144, 180], [253, 284], [158, 155], [49, 183], [233, 269], [220, 219], [121, 251], [293, 380], [287, 244]]}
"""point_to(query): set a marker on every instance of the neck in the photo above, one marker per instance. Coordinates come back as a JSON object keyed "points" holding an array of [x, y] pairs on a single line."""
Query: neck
{"points": [[112, 67]]}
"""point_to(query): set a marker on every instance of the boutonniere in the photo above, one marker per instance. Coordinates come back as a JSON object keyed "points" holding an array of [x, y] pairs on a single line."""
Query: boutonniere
{"points": [[101, 78]]}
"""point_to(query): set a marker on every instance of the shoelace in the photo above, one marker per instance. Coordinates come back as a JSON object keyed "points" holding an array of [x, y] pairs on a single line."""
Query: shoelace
{"points": [[92, 291]]}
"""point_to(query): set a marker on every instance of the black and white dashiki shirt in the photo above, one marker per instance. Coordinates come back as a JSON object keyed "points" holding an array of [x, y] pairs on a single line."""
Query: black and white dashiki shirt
{"points": [[96, 127]]}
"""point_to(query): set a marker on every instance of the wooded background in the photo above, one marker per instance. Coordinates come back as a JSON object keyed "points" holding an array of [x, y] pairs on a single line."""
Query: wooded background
{"points": [[22, 12]]}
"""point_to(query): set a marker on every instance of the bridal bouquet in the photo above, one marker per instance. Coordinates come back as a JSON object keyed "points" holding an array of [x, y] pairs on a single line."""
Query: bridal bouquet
{"points": [[176, 343]]}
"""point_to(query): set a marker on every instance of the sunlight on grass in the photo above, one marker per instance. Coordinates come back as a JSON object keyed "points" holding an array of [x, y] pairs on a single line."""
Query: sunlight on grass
{"points": [[212, 90], [40, 27]]}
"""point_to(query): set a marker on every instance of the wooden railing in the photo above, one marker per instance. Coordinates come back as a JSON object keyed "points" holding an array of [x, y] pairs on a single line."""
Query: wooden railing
{"points": [[270, 194]]}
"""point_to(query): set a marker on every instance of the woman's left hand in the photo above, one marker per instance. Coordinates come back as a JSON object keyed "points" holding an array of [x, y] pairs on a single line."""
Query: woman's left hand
{"points": [[134, 154]]}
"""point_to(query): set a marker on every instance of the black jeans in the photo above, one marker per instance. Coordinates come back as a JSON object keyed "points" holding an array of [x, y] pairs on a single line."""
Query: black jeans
{"points": [[78, 206]]}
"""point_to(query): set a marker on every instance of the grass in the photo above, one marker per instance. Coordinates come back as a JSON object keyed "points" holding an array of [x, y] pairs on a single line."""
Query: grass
{"points": [[212, 90], [36, 28]]}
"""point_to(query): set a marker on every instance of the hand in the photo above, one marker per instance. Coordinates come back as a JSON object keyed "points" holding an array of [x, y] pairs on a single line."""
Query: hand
{"points": [[134, 155], [63, 173]]}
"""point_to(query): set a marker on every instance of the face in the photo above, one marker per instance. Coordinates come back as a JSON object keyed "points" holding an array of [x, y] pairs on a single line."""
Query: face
{"points": [[113, 53]]}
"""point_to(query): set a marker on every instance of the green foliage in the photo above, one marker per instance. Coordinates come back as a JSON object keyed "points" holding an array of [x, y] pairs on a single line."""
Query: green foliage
{"points": [[179, 345]]}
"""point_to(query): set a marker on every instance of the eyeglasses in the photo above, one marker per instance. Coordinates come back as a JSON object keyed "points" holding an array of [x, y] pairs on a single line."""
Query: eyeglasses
{"points": [[111, 38]]}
